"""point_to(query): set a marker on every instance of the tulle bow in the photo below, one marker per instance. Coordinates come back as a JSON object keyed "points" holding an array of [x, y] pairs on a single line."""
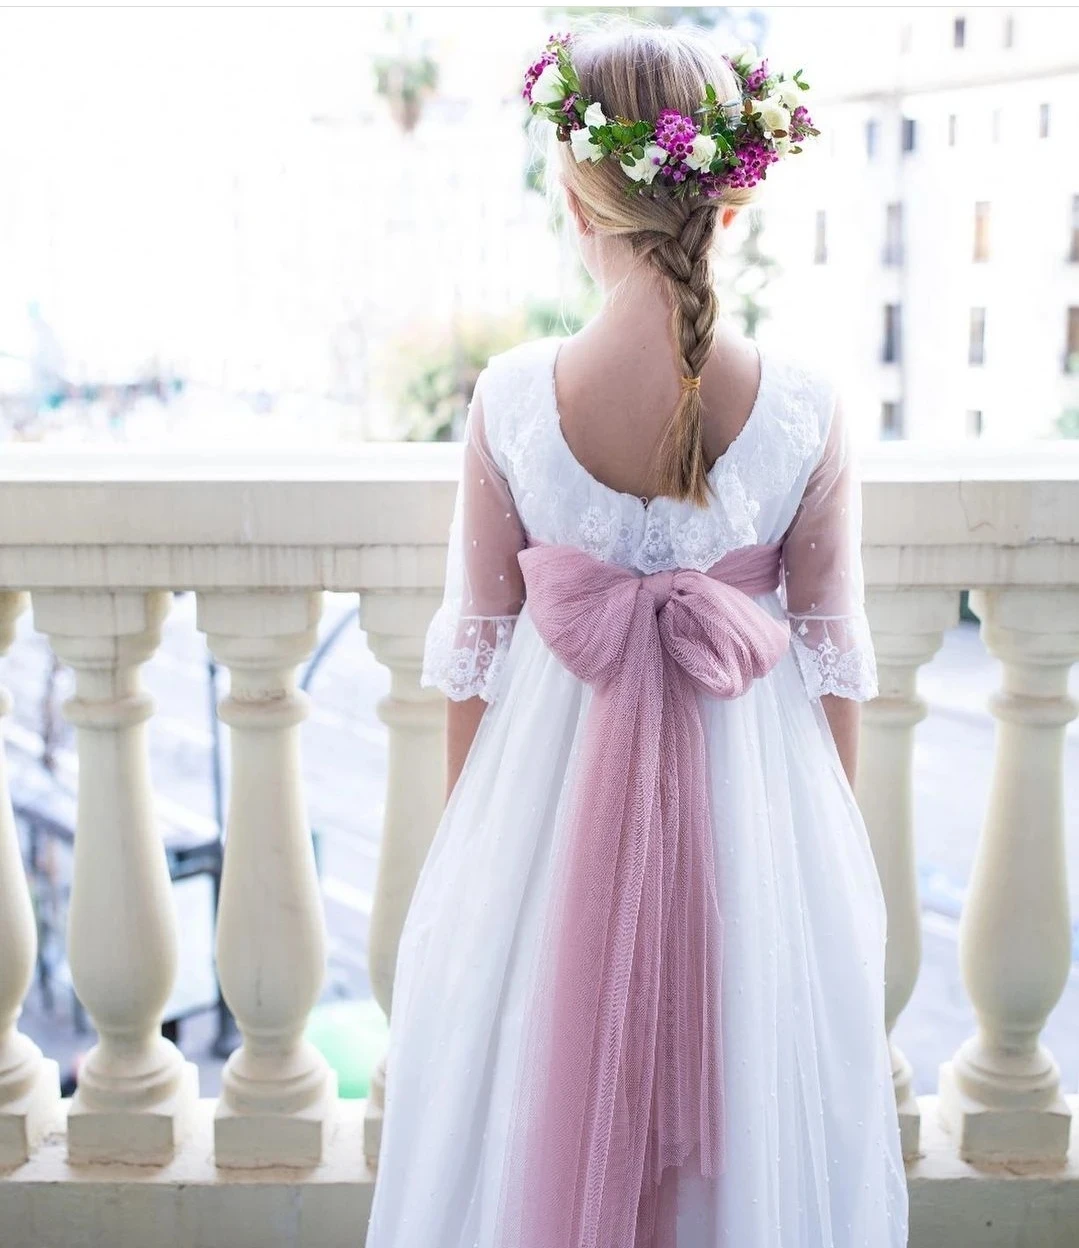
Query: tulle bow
{"points": [[621, 1079]]}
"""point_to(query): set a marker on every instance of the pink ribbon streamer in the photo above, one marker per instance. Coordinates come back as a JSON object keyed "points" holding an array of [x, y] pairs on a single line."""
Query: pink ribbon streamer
{"points": [[622, 1079]]}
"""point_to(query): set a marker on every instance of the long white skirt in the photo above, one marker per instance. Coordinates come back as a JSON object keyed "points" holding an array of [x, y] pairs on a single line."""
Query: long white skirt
{"points": [[813, 1157]]}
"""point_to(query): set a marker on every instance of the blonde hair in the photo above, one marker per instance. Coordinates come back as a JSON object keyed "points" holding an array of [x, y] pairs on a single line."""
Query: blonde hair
{"points": [[634, 71]]}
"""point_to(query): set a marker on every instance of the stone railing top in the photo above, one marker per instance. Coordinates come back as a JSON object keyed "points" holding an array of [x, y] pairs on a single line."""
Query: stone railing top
{"points": [[377, 515]]}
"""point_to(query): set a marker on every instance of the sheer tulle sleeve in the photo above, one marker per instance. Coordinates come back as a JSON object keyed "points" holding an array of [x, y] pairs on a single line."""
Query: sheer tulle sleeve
{"points": [[470, 634], [822, 576]]}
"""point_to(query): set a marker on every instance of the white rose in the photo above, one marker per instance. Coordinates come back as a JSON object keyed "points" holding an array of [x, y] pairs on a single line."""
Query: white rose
{"points": [[583, 148], [746, 58], [782, 146], [593, 115], [645, 169], [773, 113], [789, 93], [704, 150], [549, 87]]}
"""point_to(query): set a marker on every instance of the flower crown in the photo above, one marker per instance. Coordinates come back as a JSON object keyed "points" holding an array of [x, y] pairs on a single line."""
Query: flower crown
{"points": [[732, 145]]}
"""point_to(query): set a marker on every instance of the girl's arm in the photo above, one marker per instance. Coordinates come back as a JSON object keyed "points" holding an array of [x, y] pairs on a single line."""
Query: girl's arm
{"points": [[484, 592], [822, 583], [462, 724], [844, 719]]}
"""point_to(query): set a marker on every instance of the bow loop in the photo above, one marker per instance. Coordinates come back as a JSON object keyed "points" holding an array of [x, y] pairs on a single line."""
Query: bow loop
{"points": [[719, 636], [582, 608]]}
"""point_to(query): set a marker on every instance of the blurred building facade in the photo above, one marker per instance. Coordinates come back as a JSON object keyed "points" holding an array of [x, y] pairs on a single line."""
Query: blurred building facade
{"points": [[929, 247]]}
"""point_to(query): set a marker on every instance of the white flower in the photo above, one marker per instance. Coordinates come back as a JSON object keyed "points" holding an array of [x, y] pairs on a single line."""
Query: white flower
{"points": [[782, 146], [583, 148], [789, 93], [704, 150], [593, 115], [746, 58], [645, 169], [549, 87], [773, 113]]}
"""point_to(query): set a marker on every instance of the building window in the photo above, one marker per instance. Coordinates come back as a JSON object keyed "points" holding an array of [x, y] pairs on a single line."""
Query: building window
{"points": [[959, 32], [995, 125], [872, 137], [1009, 31], [820, 238], [890, 346], [891, 420], [1071, 355], [976, 349], [1043, 121], [909, 137], [981, 230], [953, 127], [906, 37], [893, 234], [974, 423], [1073, 254]]}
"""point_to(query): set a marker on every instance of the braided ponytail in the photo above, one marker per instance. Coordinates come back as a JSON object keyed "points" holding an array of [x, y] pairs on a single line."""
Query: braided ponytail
{"points": [[636, 70], [684, 263]]}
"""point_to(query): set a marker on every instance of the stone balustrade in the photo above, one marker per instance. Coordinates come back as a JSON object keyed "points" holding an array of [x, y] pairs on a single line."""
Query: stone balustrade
{"points": [[96, 541]]}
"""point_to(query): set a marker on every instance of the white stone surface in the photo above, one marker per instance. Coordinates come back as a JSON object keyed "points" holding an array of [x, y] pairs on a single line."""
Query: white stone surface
{"points": [[135, 1090], [908, 628], [29, 1085], [1001, 1094], [278, 1095], [190, 1203]]}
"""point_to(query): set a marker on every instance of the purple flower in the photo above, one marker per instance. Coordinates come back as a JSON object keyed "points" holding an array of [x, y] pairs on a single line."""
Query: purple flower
{"points": [[801, 123], [572, 120], [675, 133], [757, 78], [754, 157], [533, 72]]}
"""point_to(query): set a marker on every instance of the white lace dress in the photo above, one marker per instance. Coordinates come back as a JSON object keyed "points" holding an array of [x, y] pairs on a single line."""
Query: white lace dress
{"points": [[813, 1157]]}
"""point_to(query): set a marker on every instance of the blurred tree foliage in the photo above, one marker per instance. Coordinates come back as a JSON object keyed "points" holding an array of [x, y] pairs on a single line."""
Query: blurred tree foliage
{"points": [[709, 17], [752, 270], [409, 75], [434, 369], [1068, 423]]}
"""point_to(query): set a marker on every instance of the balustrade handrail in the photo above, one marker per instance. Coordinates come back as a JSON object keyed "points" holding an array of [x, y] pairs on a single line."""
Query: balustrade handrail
{"points": [[919, 501]]}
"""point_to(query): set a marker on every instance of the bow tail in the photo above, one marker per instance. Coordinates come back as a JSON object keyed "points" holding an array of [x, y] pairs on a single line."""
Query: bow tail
{"points": [[687, 1111], [576, 1154]]}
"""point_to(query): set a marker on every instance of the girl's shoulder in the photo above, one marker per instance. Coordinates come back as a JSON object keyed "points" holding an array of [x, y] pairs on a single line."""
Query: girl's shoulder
{"points": [[800, 392], [516, 387]]}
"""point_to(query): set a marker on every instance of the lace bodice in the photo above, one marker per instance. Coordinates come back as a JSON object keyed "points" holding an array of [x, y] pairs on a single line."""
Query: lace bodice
{"points": [[787, 476]]}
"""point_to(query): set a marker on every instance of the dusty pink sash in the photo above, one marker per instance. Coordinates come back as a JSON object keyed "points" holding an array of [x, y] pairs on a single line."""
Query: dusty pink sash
{"points": [[622, 1072]]}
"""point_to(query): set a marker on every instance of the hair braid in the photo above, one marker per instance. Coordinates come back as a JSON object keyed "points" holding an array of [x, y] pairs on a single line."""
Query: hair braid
{"points": [[684, 261]]}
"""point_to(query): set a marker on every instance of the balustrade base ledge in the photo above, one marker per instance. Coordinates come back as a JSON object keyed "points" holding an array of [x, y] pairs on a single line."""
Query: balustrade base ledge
{"points": [[910, 1127], [249, 1141], [144, 1137], [26, 1121], [1018, 1135], [192, 1203]]}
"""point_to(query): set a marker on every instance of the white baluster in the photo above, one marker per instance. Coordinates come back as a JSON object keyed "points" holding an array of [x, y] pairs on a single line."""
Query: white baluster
{"points": [[908, 628], [1000, 1094], [396, 624], [278, 1096], [136, 1094], [29, 1085]]}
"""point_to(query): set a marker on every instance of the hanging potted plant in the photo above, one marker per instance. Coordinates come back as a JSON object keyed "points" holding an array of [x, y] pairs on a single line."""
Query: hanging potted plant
{"points": [[405, 82]]}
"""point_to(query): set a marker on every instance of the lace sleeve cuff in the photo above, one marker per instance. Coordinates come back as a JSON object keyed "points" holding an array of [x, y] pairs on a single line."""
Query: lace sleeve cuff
{"points": [[835, 655], [464, 654]]}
